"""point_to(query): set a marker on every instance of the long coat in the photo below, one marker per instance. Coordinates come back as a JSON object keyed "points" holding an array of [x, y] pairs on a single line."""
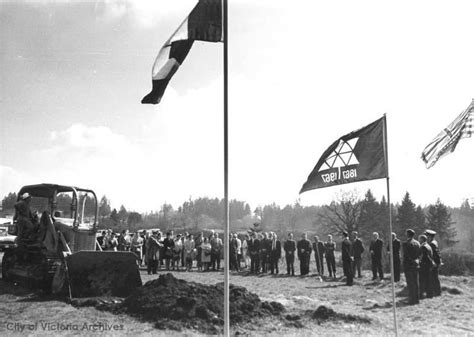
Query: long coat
{"points": [[152, 249]]}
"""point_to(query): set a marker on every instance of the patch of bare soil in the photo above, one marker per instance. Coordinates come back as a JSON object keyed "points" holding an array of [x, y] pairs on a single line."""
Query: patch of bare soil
{"points": [[313, 306], [171, 303]]}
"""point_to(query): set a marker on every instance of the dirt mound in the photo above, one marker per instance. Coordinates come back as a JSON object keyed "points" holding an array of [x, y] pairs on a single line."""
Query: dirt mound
{"points": [[323, 314], [451, 290], [172, 303]]}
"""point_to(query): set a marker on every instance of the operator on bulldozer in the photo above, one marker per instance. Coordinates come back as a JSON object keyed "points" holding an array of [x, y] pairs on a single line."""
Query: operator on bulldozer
{"points": [[26, 222]]}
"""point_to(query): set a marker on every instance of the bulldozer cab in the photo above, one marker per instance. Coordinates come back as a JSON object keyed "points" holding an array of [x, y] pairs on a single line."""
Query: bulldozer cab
{"points": [[59, 210], [61, 225]]}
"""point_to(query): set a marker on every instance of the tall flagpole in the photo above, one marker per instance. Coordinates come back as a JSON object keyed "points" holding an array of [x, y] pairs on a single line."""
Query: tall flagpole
{"points": [[385, 147], [226, 179]]}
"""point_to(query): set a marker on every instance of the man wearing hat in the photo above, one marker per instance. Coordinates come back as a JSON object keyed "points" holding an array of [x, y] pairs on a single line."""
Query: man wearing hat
{"points": [[24, 218], [426, 265], [411, 266], [434, 277]]}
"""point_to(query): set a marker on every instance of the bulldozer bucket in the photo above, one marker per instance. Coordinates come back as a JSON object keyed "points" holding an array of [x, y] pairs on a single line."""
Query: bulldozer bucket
{"points": [[97, 273]]}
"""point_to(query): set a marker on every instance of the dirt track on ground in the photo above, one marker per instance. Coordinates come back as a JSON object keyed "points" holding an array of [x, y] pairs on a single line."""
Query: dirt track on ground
{"points": [[24, 312]]}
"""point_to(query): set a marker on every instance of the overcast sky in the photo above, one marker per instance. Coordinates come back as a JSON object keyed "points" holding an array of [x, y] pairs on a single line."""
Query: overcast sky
{"points": [[301, 74]]}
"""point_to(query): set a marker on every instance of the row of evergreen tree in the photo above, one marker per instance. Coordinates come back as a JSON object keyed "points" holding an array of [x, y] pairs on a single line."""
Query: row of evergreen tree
{"points": [[347, 213]]}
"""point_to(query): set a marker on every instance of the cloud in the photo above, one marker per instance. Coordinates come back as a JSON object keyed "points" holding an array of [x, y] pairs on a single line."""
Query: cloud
{"points": [[146, 13], [11, 180], [79, 137]]}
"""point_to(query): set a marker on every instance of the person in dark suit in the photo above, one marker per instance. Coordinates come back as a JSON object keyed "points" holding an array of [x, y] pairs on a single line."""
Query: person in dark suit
{"points": [[254, 249], [318, 248], [426, 265], [396, 257], [411, 266], [375, 249], [357, 250], [264, 253], [290, 247], [233, 247], [346, 249], [330, 247], [304, 254], [168, 247], [275, 253], [430, 234]]}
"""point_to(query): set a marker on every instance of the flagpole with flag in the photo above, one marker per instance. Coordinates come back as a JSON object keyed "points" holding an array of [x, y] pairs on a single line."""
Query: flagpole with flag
{"points": [[357, 156], [206, 22], [226, 176], [392, 279], [447, 140]]}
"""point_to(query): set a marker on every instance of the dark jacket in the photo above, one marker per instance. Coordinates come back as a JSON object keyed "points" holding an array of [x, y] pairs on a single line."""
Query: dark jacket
{"points": [[346, 250], [357, 248], [426, 260], [304, 248], [376, 249], [168, 245], [289, 247], [253, 247], [396, 249], [275, 253], [436, 252], [411, 255], [319, 250], [330, 248]]}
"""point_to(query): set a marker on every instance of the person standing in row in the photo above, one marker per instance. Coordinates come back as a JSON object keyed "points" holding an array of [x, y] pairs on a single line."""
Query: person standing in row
{"points": [[275, 253], [238, 251], [290, 247], [206, 254], [430, 234], [375, 249], [153, 246], [357, 250], [168, 248], [216, 247], [245, 250], [426, 265], [137, 247], [304, 254], [396, 256], [346, 249], [254, 249], [189, 251], [330, 247], [265, 248], [318, 248], [411, 266]]}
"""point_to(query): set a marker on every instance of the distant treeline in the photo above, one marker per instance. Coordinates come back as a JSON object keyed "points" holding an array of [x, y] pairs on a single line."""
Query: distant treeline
{"points": [[349, 212]]}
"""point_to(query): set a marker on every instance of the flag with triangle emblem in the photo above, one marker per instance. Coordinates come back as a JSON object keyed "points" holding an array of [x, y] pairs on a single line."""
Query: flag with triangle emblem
{"points": [[357, 156]]}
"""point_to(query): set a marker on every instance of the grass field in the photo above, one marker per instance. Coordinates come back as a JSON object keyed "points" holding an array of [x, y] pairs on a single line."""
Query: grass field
{"points": [[25, 313]]}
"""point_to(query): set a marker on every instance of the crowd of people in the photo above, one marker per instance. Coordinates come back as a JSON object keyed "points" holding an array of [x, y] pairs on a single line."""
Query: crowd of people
{"points": [[261, 253]]}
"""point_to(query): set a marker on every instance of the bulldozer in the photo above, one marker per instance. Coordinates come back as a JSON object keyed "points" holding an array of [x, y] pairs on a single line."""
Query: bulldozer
{"points": [[57, 249]]}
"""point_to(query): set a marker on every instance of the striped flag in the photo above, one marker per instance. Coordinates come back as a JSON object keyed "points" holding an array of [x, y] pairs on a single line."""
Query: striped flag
{"points": [[447, 140], [204, 23]]}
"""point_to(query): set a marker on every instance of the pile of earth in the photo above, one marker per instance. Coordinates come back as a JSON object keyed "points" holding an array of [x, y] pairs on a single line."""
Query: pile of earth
{"points": [[171, 303], [323, 314]]}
